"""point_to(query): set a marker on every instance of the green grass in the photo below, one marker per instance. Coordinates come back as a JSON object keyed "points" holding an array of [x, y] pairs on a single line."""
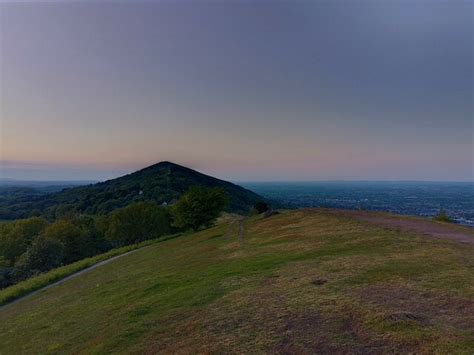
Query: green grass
{"points": [[210, 292], [32, 284]]}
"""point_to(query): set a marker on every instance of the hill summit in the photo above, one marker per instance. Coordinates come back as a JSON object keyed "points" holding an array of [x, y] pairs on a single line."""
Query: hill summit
{"points": [[162, 183]]}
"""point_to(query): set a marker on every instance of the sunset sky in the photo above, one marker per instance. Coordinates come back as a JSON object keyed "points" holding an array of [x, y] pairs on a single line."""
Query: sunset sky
{"points": [[243, 90]]}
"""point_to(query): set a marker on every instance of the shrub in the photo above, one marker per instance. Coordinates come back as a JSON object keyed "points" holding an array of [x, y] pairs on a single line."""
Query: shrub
{"points": [[442, 217], [261, 207]]}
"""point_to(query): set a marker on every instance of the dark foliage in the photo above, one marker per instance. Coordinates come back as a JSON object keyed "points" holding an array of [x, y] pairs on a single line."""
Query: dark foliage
{"points": [[78, 235], [261, 207], [199, 207], [137, 222], [15, 237], [31, 246], [42, 255], [442, 216], [6, 273], [159, 183], [84, 221]]}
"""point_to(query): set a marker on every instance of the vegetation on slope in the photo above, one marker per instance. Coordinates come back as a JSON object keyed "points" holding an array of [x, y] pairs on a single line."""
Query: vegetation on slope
{"points": [[160, 183], [42, 280], [306, 280], [32, 246], [199, 207]]}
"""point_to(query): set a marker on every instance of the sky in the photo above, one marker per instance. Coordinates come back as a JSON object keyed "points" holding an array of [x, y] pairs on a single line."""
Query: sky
{"points": [[242, 90]]}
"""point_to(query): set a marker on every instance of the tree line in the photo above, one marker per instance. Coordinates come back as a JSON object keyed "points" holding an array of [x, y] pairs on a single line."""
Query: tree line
{"points": [[35, 245]]}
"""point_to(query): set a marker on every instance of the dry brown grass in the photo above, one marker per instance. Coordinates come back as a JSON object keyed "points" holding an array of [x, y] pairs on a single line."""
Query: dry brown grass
{"points": [[306, 281]]}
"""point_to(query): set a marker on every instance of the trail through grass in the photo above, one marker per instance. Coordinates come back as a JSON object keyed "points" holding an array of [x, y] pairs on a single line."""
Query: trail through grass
{"points": [[384, 291], [40, 281]]}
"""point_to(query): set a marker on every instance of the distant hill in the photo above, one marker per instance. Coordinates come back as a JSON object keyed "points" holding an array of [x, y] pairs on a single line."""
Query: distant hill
{"points": [[162, 182], [5, 182]]}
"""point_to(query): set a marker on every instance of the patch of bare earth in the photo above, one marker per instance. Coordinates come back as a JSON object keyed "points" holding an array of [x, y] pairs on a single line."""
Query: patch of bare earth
{"points": [[415, 225], [402, 304], [315, 333]]}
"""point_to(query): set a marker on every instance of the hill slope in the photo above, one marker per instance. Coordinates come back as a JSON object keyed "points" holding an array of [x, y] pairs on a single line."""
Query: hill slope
{"points": [[302, 281], [161, 182]]}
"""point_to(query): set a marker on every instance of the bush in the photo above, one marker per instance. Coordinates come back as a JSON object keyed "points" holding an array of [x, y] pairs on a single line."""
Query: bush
{"points": [[442, 217], [261, 207], [199, 207]]}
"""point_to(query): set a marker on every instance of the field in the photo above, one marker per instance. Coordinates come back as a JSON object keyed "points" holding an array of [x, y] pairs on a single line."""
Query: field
{"points": [[302, 281]]}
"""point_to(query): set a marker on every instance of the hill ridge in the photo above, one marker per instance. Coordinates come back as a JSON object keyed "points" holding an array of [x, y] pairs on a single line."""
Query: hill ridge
{"points": [[161, 182]]}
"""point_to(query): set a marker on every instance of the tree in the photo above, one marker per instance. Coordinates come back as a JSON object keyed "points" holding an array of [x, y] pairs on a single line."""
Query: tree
{"points": [[137, 222], [30, 227], [96, 242], [42, 255], [199, 207], [73, 238], [15, 237], [261, 207]]}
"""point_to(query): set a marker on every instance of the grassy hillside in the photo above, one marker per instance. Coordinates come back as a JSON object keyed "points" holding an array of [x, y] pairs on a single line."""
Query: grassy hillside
{"points": [[160, 183], [26, 287], [301, 281]]}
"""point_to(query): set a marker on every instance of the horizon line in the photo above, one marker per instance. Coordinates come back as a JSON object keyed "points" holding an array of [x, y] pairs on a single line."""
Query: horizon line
{"points": [[94, 181]]}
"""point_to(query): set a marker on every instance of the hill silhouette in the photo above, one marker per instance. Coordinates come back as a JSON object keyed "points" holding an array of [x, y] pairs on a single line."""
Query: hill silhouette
{"points": [[162, 183]]}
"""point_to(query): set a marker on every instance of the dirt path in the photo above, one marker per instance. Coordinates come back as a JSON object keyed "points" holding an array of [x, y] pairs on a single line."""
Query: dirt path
{"points": [[83, 271], [241, 229], [417, 225], [236, 221]]}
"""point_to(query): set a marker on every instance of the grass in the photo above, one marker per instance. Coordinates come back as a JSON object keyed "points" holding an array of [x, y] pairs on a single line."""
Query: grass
{"points": [[32, 284], [384, 291]]}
